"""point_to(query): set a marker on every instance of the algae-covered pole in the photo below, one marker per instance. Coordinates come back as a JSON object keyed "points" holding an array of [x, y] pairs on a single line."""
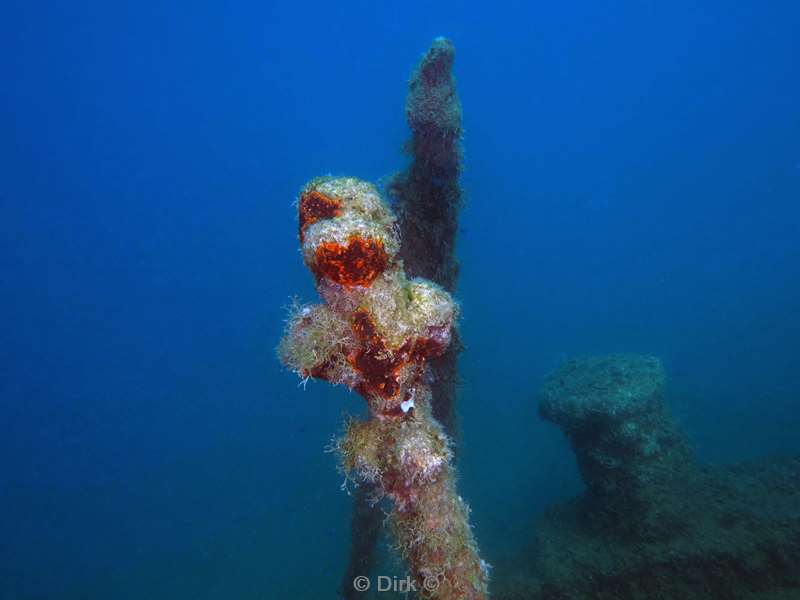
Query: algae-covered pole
{"points": [[376, 333], [428, 194], [427, 197]]}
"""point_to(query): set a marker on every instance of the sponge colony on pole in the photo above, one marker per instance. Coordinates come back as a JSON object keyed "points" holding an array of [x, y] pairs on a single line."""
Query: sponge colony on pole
{"points": [[377, 328]]}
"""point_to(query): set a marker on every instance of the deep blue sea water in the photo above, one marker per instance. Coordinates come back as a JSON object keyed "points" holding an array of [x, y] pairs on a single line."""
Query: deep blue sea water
{"points": [[632, 173]]}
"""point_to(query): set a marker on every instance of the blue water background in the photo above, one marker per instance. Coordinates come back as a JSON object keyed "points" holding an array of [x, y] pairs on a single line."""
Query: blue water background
{"points": [[632, 177]]}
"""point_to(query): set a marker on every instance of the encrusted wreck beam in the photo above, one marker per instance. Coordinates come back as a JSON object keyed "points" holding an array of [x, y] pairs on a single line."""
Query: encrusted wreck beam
{"points": [[376, 333]]}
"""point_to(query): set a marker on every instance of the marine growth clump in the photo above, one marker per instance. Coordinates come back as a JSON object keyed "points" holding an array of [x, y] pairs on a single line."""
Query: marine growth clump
{"points": [[375, 332]]}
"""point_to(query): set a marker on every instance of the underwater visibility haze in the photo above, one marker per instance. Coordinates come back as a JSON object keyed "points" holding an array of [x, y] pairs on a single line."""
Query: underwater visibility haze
{"points": [[537, 266]]}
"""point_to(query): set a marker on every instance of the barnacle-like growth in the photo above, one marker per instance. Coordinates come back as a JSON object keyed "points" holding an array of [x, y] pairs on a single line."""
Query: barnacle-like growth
{"points": [[376, 333], [316, 347]]}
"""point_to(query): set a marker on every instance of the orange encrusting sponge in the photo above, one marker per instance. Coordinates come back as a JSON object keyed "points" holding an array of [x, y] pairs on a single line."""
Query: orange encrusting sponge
{"points": [[357, 263]]}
